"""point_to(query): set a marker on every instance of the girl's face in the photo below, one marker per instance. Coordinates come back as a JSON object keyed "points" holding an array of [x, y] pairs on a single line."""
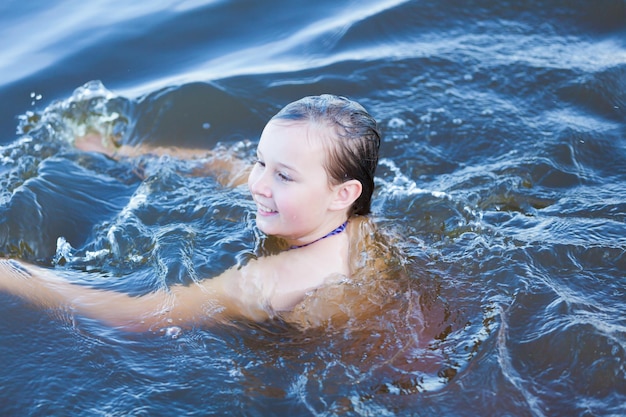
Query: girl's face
{"points": [[290, 185]]}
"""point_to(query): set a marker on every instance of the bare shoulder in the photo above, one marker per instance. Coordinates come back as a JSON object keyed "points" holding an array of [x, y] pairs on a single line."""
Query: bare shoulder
{"points": [[284, 279], [373, 281], [370, 247]]}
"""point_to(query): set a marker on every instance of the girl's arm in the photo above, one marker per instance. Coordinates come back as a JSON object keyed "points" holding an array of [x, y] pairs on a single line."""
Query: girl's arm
{"points": [[210, 300], [255, 291], [221, 163]]}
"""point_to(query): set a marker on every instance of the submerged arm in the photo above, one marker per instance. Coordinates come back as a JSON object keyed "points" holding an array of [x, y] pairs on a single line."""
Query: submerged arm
{"points": [[255, 291], [222, 163], [210, 300]]}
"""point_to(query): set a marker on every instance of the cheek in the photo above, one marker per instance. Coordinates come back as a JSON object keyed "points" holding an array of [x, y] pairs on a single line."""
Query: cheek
{"points": [[289, 204], [253, 176], [297, 205]]}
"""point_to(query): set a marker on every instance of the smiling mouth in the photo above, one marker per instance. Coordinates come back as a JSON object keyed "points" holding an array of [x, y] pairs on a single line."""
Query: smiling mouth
{"points": [[264, 209]]}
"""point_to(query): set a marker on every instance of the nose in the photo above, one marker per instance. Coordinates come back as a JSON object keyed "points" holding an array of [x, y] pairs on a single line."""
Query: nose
{"points": [[258, 183]]}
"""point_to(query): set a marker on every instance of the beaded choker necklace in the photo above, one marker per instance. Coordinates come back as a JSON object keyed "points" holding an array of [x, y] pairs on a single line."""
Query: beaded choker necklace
{"points": [[334, 232]]}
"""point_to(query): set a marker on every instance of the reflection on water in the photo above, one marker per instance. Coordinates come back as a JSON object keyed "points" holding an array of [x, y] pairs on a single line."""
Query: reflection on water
{"points": [[501, 178]]}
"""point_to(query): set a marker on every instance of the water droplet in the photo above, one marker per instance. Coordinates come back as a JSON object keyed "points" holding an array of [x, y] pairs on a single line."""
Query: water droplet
{"points": [[396, 123], [174, 332]]}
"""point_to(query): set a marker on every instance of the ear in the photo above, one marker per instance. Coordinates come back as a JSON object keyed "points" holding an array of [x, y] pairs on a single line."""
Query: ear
{"points": [[346, 193]]}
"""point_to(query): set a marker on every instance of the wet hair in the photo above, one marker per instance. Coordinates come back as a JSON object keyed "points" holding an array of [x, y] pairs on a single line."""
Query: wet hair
{"points": [[353, 152]]}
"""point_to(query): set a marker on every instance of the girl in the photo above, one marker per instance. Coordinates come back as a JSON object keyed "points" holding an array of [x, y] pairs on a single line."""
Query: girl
{"points": [[312, 184]]}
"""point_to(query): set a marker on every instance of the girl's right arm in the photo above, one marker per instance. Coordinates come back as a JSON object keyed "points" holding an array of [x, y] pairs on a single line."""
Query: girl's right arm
{"points": [[221, 163]]}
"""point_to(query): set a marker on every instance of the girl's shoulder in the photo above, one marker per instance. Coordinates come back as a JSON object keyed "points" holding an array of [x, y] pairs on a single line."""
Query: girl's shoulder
{"points": [[375, 278], [371, 248]]}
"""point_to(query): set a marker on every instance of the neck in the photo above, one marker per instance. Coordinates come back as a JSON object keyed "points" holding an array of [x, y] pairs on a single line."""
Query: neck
{"points": [[333, 232]]}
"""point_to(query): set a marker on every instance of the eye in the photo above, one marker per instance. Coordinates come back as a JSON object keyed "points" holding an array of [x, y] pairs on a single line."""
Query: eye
{"points": [[259, 162], [284, 177]]}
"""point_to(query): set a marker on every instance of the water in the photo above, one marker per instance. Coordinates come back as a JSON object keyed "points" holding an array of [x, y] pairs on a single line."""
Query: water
{"points": [[503, 170]]}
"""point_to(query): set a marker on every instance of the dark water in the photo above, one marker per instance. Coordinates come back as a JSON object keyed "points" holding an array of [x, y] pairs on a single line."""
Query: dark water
{"points": [[503, 169]]}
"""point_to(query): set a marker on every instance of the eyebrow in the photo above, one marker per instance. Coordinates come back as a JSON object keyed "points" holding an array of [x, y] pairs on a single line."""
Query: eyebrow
{"points": [[280, 164]]}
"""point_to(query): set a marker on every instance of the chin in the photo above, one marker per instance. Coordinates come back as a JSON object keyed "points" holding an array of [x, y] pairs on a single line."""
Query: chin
{"points": [[265, 228]]}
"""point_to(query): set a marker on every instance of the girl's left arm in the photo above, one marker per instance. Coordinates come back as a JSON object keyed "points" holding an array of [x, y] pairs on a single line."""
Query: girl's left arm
{"points": [[45, 289], [208, 301]]}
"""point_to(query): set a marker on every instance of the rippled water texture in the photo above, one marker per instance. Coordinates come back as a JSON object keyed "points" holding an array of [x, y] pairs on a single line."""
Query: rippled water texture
{"points": [[503, 171]]}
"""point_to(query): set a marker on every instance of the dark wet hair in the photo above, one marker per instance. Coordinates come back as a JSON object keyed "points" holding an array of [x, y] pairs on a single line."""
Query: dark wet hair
{"points": [[353, 152]]}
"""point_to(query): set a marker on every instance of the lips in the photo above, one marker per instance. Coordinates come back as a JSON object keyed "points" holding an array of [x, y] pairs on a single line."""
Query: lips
{"points": [[264, 210]]}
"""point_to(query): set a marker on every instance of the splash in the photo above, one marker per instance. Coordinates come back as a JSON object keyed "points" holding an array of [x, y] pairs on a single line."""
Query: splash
{"points": [[394, 183], [90, 109]]}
